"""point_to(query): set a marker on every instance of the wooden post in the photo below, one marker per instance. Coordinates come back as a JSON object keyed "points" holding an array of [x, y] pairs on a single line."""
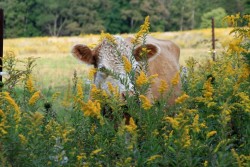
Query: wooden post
{"points": [[213, 40], [1, 43]]}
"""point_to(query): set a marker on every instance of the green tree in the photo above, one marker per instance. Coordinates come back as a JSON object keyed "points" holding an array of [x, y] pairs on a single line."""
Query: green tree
{"points": [[218, 15], [83, 17]]}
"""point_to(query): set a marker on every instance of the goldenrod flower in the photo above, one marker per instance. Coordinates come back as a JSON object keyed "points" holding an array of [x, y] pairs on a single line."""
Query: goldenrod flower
{"points": [[95, 151], [37, 118], [67, 96], [55, 95], [211, 133], [22, 138], [34, 98], [154, 157], [145, 102], [186, 140], [195, 125], [14, 105], [92, 73], [91, 46], [234, 46], [172, 121], [3, 127], [81, 156], [127, 64], [132, 126], [205, 164], [239, 159], [144, 29], [109, 37], [113, 90], [208, 89], [181, 98], [163, 86], [79, 90], [97, 94], [29, 84], [141, 79], [176, 79], [92, 109]]}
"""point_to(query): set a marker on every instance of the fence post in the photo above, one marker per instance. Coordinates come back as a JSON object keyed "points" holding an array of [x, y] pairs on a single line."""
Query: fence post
{"points": [[1, 43], [213, 40]]}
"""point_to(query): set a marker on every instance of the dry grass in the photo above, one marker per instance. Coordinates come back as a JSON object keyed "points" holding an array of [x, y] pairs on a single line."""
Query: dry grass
{"points": [[55, 65]]}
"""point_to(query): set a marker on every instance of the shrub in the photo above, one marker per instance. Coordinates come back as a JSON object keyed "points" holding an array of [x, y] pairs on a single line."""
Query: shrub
{"points": [[208, 125]]}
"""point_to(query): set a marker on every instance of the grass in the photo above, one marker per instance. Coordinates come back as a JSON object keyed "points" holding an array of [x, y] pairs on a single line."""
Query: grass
{"points": [[55, 65]]}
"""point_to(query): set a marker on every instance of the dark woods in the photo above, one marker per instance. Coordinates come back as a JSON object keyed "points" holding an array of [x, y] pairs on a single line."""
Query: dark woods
{"points": [[25, 18]]}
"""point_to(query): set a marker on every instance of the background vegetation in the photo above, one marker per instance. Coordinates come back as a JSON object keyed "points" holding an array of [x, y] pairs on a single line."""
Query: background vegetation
{"points": [[207, 126], [26, 18]]}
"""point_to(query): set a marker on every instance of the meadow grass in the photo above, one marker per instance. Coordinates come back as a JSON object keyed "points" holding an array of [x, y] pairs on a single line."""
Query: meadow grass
{"points": [[56, 65]]}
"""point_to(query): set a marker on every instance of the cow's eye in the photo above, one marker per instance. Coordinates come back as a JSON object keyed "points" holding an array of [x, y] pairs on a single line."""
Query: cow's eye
{"points": [[101, 67]]}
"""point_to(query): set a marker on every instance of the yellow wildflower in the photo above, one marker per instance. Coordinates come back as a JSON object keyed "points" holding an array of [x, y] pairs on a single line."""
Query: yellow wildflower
{"points": [[172, 121], [186, 140], [145, 102], [91, 46], [37, 118], [109, 37], [67, 96], [163, 86], [208, 89], [181, 98], [92, 73], [2, 123], [235, 46], [175, 79], [81, 156], [205, 164], [92, 109], [195, 124], [211, 133], [29, 84], [128, 160], [15, 106], [96, 93], [144, 29], [55, 95], [22, 139], [95, 151], [127, 64], [34, 98], [132, 126], [141, 79], [154, 157], [113, 90], [237, 157], [79, 90]]}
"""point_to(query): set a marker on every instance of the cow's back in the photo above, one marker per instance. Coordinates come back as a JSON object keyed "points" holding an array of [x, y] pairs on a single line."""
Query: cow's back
{"points": [[166, 65]]}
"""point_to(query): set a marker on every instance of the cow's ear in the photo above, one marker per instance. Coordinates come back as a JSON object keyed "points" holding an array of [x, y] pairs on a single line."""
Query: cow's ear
{"points": [[83, 53], [152, 51]]}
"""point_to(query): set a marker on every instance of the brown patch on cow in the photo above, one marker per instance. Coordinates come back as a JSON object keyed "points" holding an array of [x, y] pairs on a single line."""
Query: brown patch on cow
{"points": [[83, 53], [153, 50]]}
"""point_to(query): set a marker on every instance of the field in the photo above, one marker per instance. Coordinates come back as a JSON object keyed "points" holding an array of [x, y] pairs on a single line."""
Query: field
{"points": [[51, 115], [56, 66]]}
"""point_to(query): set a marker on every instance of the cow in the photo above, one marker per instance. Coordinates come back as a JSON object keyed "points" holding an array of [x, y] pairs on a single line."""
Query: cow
{"points": [[163, 59]]}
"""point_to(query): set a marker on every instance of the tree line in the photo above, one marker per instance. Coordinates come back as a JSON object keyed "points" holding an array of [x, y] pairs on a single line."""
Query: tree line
{"points": [[26, 18]]}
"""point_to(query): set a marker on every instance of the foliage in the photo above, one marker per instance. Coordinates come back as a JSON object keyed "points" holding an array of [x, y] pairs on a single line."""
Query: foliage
{"points": [[25, 18], [208, 125], [218, 14]]}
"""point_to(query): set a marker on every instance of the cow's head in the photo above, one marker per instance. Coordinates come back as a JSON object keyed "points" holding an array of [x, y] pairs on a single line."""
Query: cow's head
{"points": [[109, 56]]}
